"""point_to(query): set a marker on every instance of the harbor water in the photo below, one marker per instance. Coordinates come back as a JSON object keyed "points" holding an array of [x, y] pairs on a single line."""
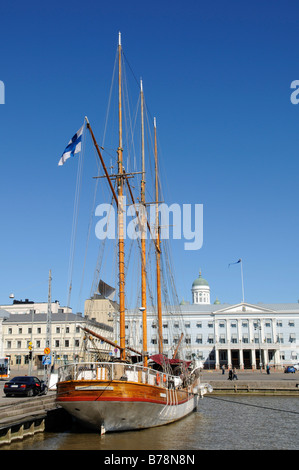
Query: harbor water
{"points": [[221, 423]]}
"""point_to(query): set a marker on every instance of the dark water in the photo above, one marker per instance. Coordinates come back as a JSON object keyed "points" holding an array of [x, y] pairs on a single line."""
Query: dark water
{"points": [[222, 423]]}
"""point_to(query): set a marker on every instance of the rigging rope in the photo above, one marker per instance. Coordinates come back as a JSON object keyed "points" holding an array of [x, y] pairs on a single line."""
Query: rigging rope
{"points": [[254, 406]]}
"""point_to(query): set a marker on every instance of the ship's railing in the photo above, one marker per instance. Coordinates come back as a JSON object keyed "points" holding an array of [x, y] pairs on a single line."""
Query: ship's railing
{"points": [[116, 371]]}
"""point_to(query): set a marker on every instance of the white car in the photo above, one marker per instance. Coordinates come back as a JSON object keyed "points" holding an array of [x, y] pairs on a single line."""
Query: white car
{"points": [[296, 366]]}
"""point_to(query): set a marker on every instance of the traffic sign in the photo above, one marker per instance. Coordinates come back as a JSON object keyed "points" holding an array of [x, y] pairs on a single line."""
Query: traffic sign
{"points": [[47, 350], [46, 360]]}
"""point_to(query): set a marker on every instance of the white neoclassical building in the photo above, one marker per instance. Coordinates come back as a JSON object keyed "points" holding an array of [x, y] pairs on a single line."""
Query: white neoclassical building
{"points": [[242, 335]]}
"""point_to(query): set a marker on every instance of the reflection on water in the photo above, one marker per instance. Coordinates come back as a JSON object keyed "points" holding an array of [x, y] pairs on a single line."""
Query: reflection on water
{"points": [[226, 423]]}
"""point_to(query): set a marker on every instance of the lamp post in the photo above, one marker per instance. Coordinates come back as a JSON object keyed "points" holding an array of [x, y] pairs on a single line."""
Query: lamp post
{"points": [[259, 328]]}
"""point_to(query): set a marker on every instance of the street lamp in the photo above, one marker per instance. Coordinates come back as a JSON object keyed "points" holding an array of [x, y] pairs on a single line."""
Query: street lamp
{"points": [[259, 328]]}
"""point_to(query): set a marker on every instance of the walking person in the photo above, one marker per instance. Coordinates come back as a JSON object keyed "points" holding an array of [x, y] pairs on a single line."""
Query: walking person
{"points": [[223, 369], [230, 375], [268, 369], [235, 374]]}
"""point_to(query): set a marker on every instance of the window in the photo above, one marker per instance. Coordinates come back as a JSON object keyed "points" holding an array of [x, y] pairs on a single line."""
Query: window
{"points": [[56, 343], [19, 344], [222, 325], [245, 339], [211, 339], [29, 330], [279, 323], [199, 324], [292, 338], [280, 338], [39, 330], [38, 344], [187, 324], [8, 344], [66, 343], [188, 339], [176, 339], [210, 324], [291, 323], [10, 331], [199, 339], [222, 339], [233, 325], [57, 329], [234, 339], [268, 338], [20, 331]]}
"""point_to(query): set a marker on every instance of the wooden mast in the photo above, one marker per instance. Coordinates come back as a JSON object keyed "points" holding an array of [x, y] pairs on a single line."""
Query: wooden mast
{"points": [[158, 250], [143, 233], [121, 247]]}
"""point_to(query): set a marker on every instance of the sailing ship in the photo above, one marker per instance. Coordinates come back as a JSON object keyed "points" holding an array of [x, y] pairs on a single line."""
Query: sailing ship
{"points": [[136, 390]]}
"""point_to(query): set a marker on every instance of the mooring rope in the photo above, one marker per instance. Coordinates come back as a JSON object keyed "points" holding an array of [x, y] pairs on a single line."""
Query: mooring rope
{"points": [[250, 404]]}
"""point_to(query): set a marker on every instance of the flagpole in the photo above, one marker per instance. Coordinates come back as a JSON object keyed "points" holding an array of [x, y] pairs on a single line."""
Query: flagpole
{"points": [[237, 262], [242, 280]]}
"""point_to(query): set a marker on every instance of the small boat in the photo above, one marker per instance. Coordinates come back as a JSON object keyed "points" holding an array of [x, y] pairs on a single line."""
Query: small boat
{"points": [[136, 390]]}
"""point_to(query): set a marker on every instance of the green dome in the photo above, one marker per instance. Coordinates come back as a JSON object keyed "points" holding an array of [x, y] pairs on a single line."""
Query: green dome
{"points": [[217, 302], [200, 281]]}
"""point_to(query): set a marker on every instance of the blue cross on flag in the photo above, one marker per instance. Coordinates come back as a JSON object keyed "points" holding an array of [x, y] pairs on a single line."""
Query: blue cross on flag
{"points": [[73, 147]]}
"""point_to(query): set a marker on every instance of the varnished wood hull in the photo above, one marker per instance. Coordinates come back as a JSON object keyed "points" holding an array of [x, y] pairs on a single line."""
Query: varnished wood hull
{"points": [[123, 406]]}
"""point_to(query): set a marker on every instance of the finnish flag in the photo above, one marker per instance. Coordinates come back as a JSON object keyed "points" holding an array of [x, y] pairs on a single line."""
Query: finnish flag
{"points": [[73, 147]]}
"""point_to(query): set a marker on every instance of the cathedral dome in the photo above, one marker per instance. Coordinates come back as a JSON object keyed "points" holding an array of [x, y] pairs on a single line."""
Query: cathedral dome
{"points": [[200, 281], [200, 291]]}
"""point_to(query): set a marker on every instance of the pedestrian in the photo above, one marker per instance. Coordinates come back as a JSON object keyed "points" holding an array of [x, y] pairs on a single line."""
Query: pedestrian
{"points": [[230, 375], [235, 374], [223, 369], [268, 369]]}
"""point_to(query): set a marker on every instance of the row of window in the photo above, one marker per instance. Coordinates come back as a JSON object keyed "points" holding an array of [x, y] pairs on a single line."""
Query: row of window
{"points": [[222, 339], [222, 324], [38, 344], [58, 330]]}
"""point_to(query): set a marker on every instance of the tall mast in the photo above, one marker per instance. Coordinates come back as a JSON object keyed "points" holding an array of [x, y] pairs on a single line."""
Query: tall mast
{"points": [[143, 255], [158, 250], [121, 252]]}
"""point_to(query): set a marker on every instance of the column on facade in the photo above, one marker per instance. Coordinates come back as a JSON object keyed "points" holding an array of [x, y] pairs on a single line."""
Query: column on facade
{"points": [[229, 357], [217, 365], [239, 328], [253, 358], [216, 341], [252, 343]]}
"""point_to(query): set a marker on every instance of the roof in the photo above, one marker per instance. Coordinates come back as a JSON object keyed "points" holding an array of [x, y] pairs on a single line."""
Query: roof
{"points": [[4, 313], [18, 318]]}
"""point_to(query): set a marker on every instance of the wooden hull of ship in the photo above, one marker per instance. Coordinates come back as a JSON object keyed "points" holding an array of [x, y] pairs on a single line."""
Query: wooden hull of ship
{"points": [[110, 406]]}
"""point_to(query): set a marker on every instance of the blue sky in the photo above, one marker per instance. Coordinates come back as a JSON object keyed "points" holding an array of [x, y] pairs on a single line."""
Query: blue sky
{"points": [[216, 74]]}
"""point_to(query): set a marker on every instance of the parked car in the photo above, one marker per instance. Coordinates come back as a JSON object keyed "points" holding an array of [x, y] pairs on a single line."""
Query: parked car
{"points": [[290, 369], [25, 385]]}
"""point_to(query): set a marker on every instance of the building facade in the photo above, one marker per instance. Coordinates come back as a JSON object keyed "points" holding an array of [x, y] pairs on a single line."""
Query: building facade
{"points": [[24, 338], [244, 335]]}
